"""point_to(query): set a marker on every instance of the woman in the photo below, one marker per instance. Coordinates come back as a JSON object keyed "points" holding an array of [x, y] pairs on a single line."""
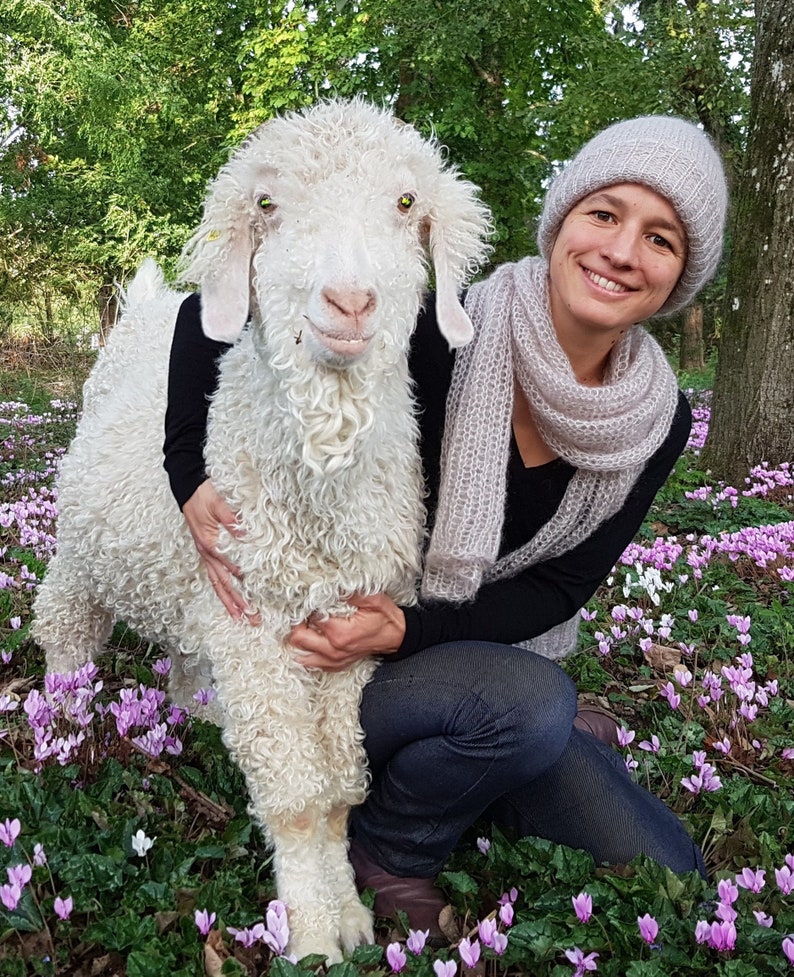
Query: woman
{"points": [[543, 444]]}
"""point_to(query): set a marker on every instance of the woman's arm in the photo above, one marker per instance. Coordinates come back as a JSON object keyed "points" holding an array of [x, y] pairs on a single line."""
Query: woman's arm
{"points": [[506, 611], [192, 379]]}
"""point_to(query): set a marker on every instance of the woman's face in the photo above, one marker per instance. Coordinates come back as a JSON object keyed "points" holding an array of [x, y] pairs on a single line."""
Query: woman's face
{"points": [[617, 257]]}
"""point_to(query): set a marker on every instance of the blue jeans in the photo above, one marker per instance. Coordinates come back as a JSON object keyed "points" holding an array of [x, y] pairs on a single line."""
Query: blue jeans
{"points": [[473, 729]]}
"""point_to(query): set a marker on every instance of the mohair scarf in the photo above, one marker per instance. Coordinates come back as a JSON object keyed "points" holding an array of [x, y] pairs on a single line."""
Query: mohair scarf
{"points": [[607, 433]]}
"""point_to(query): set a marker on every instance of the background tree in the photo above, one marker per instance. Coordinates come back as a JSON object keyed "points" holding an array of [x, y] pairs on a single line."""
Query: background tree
{"points": [[753, 402]]}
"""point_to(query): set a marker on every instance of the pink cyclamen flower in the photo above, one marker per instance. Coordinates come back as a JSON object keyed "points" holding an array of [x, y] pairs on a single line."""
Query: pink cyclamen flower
{"points": [[727, 891], [469, 952], [39, 855], [9, 831], [10, 896], [19, 875], [512, 895], [649, 928], [396, 957], [762, 919], [249, 935], [625, 736], [506, 913], [652, 746], [63, 907], [445, 968], [722, 936], [785, 879], [581, 962], [752, 880], [486, 929], [203, 920], [162, 666], [702, 931], [788, 949], [276, 935], [416, 940], [499, 943], [583, 906], [725, 912], [483, 845]]}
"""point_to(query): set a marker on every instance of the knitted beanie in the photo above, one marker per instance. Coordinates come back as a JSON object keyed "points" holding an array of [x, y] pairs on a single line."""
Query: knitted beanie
{"points": [[672, 157]]}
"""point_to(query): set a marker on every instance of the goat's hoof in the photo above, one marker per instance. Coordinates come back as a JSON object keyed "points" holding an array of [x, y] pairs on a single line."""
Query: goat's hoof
{"points": [[303, 944], [355, 925]]}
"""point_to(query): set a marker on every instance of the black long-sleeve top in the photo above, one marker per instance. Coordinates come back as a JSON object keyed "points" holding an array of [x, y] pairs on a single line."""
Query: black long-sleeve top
{"points": [[508, 611]]}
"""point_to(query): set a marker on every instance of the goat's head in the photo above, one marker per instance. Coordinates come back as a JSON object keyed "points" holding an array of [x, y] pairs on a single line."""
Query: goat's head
{"points": [[321, 223]]}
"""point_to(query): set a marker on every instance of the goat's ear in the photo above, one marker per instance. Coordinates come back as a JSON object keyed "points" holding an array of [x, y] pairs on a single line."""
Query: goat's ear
{"points": [[459, 225], [218, 259], [453, 322]]}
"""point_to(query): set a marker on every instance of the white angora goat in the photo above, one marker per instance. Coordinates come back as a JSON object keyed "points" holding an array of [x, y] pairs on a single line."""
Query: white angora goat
{"points": [[316, 228]]}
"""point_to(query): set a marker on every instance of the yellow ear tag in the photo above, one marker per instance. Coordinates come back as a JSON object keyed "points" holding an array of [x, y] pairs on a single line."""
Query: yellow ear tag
{"points": [[214, 234]]}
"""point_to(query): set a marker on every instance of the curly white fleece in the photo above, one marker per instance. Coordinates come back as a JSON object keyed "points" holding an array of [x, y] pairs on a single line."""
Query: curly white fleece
{"points": [[316, 452]]}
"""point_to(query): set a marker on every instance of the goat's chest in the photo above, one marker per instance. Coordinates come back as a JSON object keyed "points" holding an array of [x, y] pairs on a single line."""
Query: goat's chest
{"points": [[329, 507]]}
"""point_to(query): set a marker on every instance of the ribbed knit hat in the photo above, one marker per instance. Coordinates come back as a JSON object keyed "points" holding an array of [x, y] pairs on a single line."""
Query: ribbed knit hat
{"points": [[672, 157]]}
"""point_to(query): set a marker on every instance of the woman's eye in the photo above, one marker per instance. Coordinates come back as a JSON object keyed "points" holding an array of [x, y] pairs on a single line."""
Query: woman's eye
{"points": [[661, 242], [602, 215], [265, 202], [405, 202]]}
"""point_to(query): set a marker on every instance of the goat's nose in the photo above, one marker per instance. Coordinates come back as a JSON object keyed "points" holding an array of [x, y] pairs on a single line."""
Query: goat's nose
{"points": [[355, 305]]}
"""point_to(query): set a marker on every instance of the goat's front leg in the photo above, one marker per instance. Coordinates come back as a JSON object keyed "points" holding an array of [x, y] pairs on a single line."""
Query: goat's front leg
{"points": [[338, 700], [270, 727]]}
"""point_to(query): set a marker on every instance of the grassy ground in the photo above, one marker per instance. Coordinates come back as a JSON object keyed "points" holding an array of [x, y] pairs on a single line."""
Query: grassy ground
{"points": [[690, 642]]}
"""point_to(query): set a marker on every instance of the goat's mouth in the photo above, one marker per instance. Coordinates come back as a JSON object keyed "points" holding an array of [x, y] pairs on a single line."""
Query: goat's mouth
{"points": [[341, 343]]}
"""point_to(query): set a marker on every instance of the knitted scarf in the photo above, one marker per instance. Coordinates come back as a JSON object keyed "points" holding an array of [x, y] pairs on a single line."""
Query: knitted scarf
{"points": [[607, 433]]}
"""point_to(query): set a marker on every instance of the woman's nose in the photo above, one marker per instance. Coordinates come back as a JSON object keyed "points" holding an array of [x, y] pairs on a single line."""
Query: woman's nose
{"points": [[622, 248]]}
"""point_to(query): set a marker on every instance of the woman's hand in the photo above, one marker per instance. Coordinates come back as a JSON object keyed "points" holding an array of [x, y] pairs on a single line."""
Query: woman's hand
{"points": [[336, 643], [205, 512]]}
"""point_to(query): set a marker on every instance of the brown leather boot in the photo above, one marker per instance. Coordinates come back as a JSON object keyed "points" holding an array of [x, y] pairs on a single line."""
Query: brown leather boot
{"points": [[419, 899], [597, 722]]}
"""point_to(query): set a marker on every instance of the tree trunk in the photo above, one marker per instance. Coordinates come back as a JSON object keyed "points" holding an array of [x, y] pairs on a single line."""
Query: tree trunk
{"points": [[753, 403], [108, 302], [691, 354]]}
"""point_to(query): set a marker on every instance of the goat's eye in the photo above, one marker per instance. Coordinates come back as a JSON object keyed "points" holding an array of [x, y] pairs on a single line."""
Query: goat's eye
{"points": [[265, 202], [405, 202]]}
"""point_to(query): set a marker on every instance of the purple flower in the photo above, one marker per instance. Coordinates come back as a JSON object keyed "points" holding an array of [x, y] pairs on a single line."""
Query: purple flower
{"points": [[668, 692], [162, 666], [752, 880], [39, 855], [762, 919], [416, 940], [652, 746], [19, 875], [204, 696], [727, 891], [9, 831], [203, 920], [785, 879], [248, 936], [63, 907], [512, 895], [469, 952], [788, 949], [583, 906], [581, 962], [445, 968], [396, 957], [483, 845], [277, 933], [725, 912], [10, 896], [722, 936], [625, 736], [702, 931], [486, 929], [649, 928], [499, 943], [506, 913]]}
